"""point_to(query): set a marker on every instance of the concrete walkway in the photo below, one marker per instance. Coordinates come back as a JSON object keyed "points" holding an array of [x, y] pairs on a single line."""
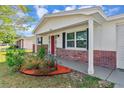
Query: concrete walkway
{"points": [[115, 76]]}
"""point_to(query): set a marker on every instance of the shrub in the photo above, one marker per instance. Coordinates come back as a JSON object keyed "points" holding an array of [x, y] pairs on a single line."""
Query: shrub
{"points": [[41, 53], [12, 47], [15, 58], [40, 66], [31, 62], [51, 61]]}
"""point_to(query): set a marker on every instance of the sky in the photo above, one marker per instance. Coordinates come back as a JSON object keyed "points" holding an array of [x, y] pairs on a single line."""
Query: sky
{"points": [[37, 12]]}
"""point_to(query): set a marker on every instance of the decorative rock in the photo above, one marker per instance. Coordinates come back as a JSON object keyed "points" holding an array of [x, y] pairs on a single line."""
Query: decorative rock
{"points": [[103, 83]]}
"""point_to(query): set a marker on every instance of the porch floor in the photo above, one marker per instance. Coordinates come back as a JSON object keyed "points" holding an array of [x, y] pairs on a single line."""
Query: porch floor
{"points": [[115, 76]]}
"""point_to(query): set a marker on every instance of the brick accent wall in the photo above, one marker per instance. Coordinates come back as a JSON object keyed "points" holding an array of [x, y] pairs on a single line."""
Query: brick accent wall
{"points": [[105, 58], [44, 46], [72, 54], [101, 58]]}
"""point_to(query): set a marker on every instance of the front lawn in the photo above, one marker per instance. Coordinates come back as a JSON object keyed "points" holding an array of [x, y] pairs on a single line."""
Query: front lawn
{"points": [[77, 80], [3, 54], [4, 47], [2, 57]]}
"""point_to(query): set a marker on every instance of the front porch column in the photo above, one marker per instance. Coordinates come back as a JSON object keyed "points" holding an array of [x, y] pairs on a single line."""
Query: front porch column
{"points": [[90, 48], [35, 43]]}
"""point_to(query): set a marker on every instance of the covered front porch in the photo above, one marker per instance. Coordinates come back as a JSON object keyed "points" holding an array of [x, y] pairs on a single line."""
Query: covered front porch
{"points": [[99, 71], [116, 76], [53, 43]]}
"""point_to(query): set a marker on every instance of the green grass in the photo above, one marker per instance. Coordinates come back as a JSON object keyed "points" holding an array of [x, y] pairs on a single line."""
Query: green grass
{"points": [[28, 51], [4, 47], [2, 57], [89, 81], [3, 54], [11, 80]]}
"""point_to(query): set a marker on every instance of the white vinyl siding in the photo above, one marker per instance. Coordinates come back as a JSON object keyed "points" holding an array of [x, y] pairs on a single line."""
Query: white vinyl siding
{"points": [[120, 46]]}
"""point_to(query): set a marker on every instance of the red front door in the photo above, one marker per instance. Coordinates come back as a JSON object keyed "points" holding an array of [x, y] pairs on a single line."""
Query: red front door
{"points": [[52, 45]]}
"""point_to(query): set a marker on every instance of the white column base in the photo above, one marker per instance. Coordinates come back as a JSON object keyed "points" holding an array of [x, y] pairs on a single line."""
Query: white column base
{"points": [[90, 71]]}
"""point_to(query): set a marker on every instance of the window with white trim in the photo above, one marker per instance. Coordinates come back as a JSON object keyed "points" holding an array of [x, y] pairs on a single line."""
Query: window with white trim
{"points": [[81, 39], [77, 39], [70, 39]]}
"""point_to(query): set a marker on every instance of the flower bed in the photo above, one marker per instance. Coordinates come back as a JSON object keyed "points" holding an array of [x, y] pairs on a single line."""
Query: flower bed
{"points": [[60, 70], [39, 64]]}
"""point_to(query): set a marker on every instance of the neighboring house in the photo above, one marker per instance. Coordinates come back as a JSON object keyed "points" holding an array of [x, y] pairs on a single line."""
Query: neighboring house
{"points": [[85, 35], [26, 42]]}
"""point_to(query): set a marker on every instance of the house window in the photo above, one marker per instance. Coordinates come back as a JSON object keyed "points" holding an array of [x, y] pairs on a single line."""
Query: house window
{"points": [[70, 39], [39, 40], [81, 39], [77, 39]]}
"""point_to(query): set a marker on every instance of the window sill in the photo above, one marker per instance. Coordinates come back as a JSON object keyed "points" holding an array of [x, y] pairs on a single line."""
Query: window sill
{"points": [[81, 49]]}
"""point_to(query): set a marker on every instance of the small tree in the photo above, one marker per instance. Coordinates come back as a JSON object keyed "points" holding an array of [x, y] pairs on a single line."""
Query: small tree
{"points": [[15, 58], [11, 21]]}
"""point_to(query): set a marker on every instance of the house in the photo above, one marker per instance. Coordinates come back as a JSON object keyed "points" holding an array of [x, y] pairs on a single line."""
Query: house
{"points": [[85, 35], [26, 42]]}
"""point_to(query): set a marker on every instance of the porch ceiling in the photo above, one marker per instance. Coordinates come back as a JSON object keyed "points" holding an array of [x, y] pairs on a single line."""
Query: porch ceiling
{"points": [[68, 26]]}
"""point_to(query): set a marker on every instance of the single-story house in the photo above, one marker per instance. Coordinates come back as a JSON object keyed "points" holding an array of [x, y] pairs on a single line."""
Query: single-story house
{"points": [[85, 35], [26, 42]]}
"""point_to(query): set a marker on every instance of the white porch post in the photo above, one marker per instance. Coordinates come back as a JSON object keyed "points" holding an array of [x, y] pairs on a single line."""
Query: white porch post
{"points": [[35, 43], [90, 48]]}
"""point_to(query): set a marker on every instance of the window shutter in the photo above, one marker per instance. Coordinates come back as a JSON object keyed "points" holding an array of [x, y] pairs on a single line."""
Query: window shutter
{"points": [[87, 38], [63, 40], [41, 40]]}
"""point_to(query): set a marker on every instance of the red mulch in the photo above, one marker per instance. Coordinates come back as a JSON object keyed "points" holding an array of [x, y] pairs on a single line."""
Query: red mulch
{"points": [[60, 70]]}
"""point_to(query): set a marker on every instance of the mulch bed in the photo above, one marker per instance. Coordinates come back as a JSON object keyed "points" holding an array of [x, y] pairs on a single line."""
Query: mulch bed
{"points": [[60, 70]]}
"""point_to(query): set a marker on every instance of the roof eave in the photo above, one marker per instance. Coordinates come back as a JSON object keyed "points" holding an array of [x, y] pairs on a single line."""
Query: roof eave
{"points": [[115, 17], [63, 13]]}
